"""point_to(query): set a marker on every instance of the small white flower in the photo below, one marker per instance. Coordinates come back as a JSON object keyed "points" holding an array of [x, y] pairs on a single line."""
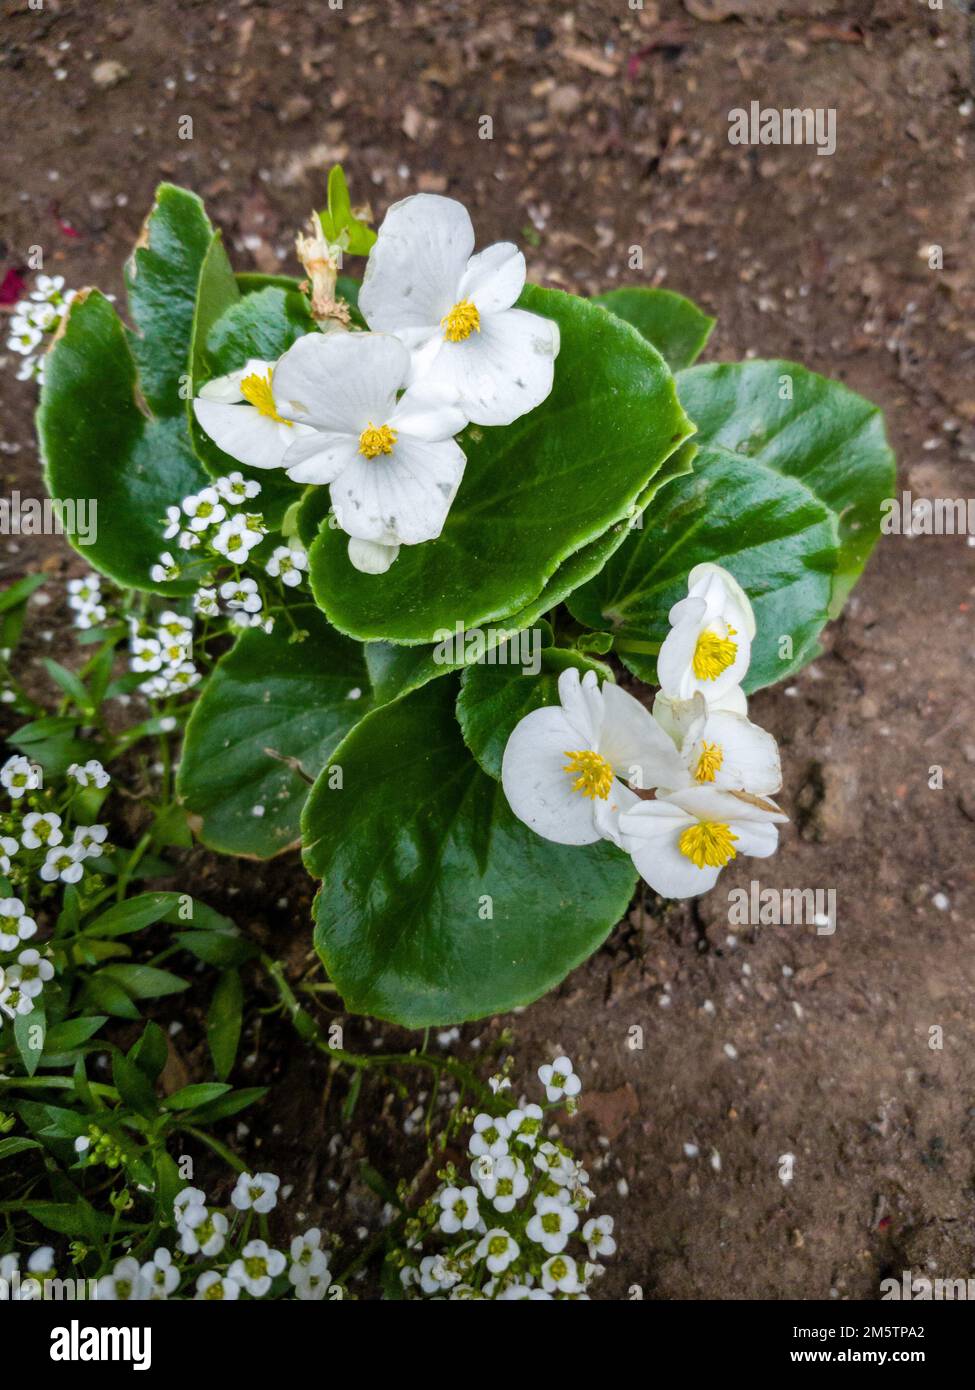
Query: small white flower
{"points": [[90, 616], [681, 842], [560, 1166], [490, 1136], [435, 1275], [503, 1181], [559, 1079], [453, 310], [41, 1260], [709, 645], [235, 488], [552, 1224], [63, 863], [174, 627], [562, 763], [458, 1209], [14, 1000], [90, 839], [256, 1191], [165, 570], [241, 594], [47, 287], [159, 1275], [525, 1124], [41, 828], [287, 562], [205, 603], [205, 509], [598, 1235], [188, 1198], [313, 1284], [499, 1249], [258, 1265], [31, 972], [236, 538], [181, 677], [15, 925], [211, 1287], [174, 523], [89, 774], [206, 1236], [561, 1274], [19, 775], [125, 1284], [189, 540], [82, 592], [8, 848]]}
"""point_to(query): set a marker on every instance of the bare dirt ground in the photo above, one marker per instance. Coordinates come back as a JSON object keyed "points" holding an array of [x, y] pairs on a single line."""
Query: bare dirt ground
{"points": [[610, 130]]}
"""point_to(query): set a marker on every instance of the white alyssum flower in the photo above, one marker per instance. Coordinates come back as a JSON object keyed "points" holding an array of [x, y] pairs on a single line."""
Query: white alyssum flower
{"points": [[175, 627], [237, 537], [709, 645], [681, 842], [288, 562], [159, 1275], [454, 310], [41, 1260], [525, 1124], [498, 1249], [15, 924], [174, 523], [63, 863], [598, 1235], [31, 973], [561, 1274], [258, 1265], [243, 413], [241, 594], [557, 1163], [435, 1274], [189, 1199], [562, 763], [458, 1209], [559, 1079], [89, 774], [256, 1192], [308, 1260], [211, 1287], [41, 828], [165, 569], [552, 1224], [205, 603], [8, 848], [203, 1232], [490, 1136], [236, 489], [90, 616], [84, 592], [204, 509], [14, 1000], [19, 775], [89, 840], [392, 464], [503, 1181], [125, 1284]]}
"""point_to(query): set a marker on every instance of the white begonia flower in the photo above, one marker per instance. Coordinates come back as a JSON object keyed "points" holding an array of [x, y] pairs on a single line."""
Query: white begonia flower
{"points": [[258, 1265], [236, 489], [204, 509], [63, 863], [8, 848], [559, 1079], [552, 1224], [41, 828], [525, 1124], [90, 839], [503, 1181], [681, 842], [458, 1209], [125, 1284], [453, 310], [89, 774], [205, 603], [241, 594], [256, 1192], [562, 763], [393, 466], [709, 645], [499, 1249], [288, 562], [490, 1136], [727, 751], [560, 1274], [211, 1287], [237, 537], [19, 775], [598, 1235], [159, 1275], [207, 1236], [371, 558], [675, 717], [15, 925], [165, 570], [243, 414], [31, 972]]}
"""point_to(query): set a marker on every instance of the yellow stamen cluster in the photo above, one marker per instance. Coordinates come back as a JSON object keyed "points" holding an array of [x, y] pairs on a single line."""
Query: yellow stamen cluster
{"points": [[374, 441], [709, 762], [257, 390], [595, 774], [713, 654], [708, 843], [461, 322]]}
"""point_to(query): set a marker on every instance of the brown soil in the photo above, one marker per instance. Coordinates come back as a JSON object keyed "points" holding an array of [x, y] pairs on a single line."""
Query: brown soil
{"points": [[610, 130]]}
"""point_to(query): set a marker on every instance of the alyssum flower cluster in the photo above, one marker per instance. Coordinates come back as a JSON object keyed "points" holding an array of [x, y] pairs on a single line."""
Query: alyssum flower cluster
{"points": [[373, 414], [34, 321], [516, 1225], [583, 771]]}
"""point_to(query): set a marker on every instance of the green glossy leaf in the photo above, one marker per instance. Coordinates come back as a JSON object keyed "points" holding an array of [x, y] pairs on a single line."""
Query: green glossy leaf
{"points": [[230, 1104], [437, 905], [533, 493], [133, 914], [271, 710], [98, 444], [64, 1037], [338, 222], [806, 427], [225, 1019], [161, 278], [493, 699], [191, 1097], [770, 531], [675, 325], [144, 981]]}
